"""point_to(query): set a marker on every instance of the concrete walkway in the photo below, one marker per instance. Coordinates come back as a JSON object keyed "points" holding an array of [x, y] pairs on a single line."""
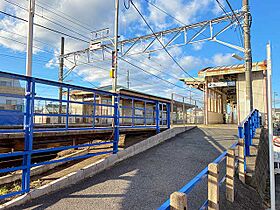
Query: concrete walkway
{"points": [[146, 180]]}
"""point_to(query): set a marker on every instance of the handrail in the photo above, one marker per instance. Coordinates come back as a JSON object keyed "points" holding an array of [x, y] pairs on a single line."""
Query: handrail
{"points": [[191, 184], [247, 129], [249, 126], [115, 113], [241, 124]]}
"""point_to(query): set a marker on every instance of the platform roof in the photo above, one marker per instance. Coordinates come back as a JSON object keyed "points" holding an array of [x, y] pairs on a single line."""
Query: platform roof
{"points": [[232, 69]]}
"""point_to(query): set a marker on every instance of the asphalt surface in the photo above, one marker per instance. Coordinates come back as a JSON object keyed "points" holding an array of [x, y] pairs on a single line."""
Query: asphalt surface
{"points": [[146, 180]]}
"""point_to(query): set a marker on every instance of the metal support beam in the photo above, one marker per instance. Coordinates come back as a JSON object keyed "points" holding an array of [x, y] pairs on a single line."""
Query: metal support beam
{"points": [[203, 31]]}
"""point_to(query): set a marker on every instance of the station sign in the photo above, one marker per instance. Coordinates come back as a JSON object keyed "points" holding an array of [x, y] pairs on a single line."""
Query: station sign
{"points": [[94, 46], [221, 84]]}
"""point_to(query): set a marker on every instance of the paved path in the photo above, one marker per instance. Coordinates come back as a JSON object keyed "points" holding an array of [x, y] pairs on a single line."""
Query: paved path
{"points": [[146, 180]]}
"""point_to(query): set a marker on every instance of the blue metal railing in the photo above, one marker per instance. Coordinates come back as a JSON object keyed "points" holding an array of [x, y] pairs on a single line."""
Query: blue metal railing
{"points": [[154, 114], [246, 130], [196, 180]]}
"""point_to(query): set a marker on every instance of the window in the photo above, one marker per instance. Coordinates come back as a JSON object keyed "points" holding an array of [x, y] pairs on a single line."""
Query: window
{"points": [[11, 102], [6, 83]]}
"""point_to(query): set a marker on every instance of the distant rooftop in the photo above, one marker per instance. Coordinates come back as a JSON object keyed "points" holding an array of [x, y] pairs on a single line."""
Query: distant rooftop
{"points": [[109, 87]]}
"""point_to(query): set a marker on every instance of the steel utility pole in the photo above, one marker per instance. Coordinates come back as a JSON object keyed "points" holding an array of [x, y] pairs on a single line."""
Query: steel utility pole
{"points": [[115, 58], [29, 50], [248, 56], [127, 78], [60, 77], [270, 129]]}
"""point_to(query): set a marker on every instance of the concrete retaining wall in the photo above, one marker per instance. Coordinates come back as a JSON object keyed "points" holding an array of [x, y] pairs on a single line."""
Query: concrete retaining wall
{"points": [[261, 175], [96, 167]]}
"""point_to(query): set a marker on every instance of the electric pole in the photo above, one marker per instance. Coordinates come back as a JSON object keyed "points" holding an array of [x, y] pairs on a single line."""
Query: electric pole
{"points": [[29, 50], [60, 77], [248, 56], [115, 57], [127, 79]]}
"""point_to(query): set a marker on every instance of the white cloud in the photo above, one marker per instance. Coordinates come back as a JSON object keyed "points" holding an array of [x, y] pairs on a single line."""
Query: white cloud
{"points": [[97, 14], [222, 59], [197, 46]]}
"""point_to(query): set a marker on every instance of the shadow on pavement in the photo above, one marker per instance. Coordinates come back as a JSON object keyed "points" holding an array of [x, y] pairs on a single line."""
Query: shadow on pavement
{"points": [[146, 180]]}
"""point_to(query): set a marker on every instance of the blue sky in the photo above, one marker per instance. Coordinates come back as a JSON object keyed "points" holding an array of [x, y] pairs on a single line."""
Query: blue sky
{"points": [[97, 14]]}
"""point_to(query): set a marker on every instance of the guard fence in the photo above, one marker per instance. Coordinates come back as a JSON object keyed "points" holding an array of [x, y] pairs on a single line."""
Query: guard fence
{"points": [[246, 132]]}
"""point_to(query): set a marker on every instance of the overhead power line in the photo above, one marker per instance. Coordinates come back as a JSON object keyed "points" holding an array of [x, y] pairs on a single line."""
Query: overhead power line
{"points": [[65, 16], [163, 11], [230, 7], [14, 40], [174, 60], [240, 29], [132, 64], [48, 19], [47, 28], [23, 58]]}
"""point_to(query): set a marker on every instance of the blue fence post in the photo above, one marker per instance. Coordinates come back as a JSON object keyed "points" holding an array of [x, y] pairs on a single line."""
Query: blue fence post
{"points": [[168, 115], [258, 119], [116, 124], [247, 138], [28, 139], [251, 133], [157, 118], [240, 132]]}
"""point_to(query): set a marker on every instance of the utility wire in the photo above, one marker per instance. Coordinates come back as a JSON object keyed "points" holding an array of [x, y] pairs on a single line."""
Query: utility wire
{"points": [[14, 40], [23, 58], [233, 12], [222, 8], [36, 40], [48, 19], [47, 28], [147, 72], [132, 64], [240, 29], [174, 60], [159, 71], [171, 16], [64, 15]]}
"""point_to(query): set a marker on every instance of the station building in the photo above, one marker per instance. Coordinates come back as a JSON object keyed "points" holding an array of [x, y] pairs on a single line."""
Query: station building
{"points": [[224, 92]]}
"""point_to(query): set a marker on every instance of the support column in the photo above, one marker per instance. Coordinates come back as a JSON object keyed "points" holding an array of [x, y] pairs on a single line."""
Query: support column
{"points": [[206, 102]]}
